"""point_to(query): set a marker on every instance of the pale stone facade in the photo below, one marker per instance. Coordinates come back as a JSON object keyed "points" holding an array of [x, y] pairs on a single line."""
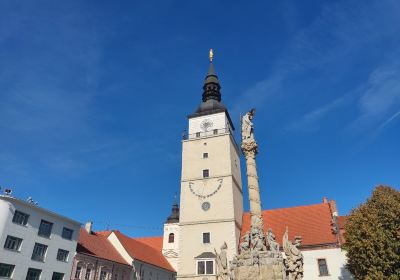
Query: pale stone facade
{"points": [[211, 197], [171, 243], [222, 190]]}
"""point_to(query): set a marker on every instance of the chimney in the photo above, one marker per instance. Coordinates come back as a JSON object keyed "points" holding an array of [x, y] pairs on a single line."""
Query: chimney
{"points": [[324, 200], [88, 226]]}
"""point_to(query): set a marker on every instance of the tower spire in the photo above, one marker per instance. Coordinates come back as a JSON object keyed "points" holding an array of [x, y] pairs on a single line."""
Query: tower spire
{"points": [[211, 97], [174, 217], [211, 88]]}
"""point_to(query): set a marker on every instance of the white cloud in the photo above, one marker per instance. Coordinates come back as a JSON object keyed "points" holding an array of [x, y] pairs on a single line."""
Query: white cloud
{"points": [[311, 121], [379, 102], [335, 40]]}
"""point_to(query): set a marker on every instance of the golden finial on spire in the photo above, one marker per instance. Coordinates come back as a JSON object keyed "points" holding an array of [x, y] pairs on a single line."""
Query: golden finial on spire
{"points": [[211, 55]]}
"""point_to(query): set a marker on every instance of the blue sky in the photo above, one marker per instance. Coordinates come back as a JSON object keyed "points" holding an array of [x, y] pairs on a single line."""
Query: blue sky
{"points": [[94, 97]]}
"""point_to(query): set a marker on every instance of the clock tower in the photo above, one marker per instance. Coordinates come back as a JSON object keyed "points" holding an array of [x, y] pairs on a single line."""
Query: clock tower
{"points": [[211, 189]]}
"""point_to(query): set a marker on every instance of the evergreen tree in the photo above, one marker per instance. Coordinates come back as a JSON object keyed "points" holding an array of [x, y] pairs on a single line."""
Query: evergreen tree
{"points": [[373, 236]]}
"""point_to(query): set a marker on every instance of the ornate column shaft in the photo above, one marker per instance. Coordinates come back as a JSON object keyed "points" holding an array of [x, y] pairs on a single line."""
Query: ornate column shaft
{"points": [[250, 150]]}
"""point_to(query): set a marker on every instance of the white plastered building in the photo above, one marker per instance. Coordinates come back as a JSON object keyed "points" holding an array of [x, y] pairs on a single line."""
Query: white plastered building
{"points": [[35, 243]]}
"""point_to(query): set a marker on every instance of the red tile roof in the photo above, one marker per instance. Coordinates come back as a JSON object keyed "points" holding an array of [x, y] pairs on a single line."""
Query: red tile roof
{"points": [[98, 245], [311, 222], [140, 249], [156, 242], [341, 220]]}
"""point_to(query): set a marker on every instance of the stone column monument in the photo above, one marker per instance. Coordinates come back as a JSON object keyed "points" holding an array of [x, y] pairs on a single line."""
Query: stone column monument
{"points": [[259, 256], [250, 149]]}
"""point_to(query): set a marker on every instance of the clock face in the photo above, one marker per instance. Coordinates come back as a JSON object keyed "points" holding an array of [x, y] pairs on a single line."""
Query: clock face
{"points": [[206, 125], [205, 188]]}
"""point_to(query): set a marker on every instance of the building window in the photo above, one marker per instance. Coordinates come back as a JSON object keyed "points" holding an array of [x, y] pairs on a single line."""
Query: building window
{"points": [[103, 275], [205, 155], [215, 131], [62, 255], [171, 238], [6, 270], [323, 267], [206, 237], [78, 272], [205, 267], [45, 228], [20, 218], [88, 272], [206, 173], [57, 276], [13, 243], [198, 134], [67, 233], [39, 252], [33, 274]]}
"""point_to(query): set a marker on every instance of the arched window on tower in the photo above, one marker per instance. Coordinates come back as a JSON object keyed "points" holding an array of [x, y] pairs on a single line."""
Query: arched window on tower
{"points": [[171, 238]]}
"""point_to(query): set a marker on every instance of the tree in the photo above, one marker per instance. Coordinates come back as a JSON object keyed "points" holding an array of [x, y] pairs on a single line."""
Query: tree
{"points": [[373, 236]]}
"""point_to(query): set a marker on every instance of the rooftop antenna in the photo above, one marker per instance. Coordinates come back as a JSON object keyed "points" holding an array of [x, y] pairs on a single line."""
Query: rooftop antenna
{"points": [[31, 201]]}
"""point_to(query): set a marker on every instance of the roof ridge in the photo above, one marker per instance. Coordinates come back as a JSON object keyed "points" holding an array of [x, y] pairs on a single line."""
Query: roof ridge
{"points": [[291, 207], [144, 237], [120, 236]]}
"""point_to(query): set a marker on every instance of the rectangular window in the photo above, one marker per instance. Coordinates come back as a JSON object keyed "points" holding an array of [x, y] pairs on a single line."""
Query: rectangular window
{"points": [[323, 267], [6, 270], [88, 272], [20, 218], [209, 267], [62, 255], [201, 267], [67, 233], [45, 228], [39, 252], [215, 131], [103, 275], [206, 173], [198, 134], [33, 274], [78, 272], [206, 237], [205, 267], [13, 243], [57, 276], [205, 155]]}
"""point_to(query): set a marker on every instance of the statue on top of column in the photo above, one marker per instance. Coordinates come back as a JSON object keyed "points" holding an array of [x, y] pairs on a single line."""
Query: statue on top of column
{"points": [[249, 144], [247, 125]]}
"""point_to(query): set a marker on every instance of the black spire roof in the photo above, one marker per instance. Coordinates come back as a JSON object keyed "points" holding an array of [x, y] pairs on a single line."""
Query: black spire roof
{"points": [[174, 217], [211, 97], [211, 88]]}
